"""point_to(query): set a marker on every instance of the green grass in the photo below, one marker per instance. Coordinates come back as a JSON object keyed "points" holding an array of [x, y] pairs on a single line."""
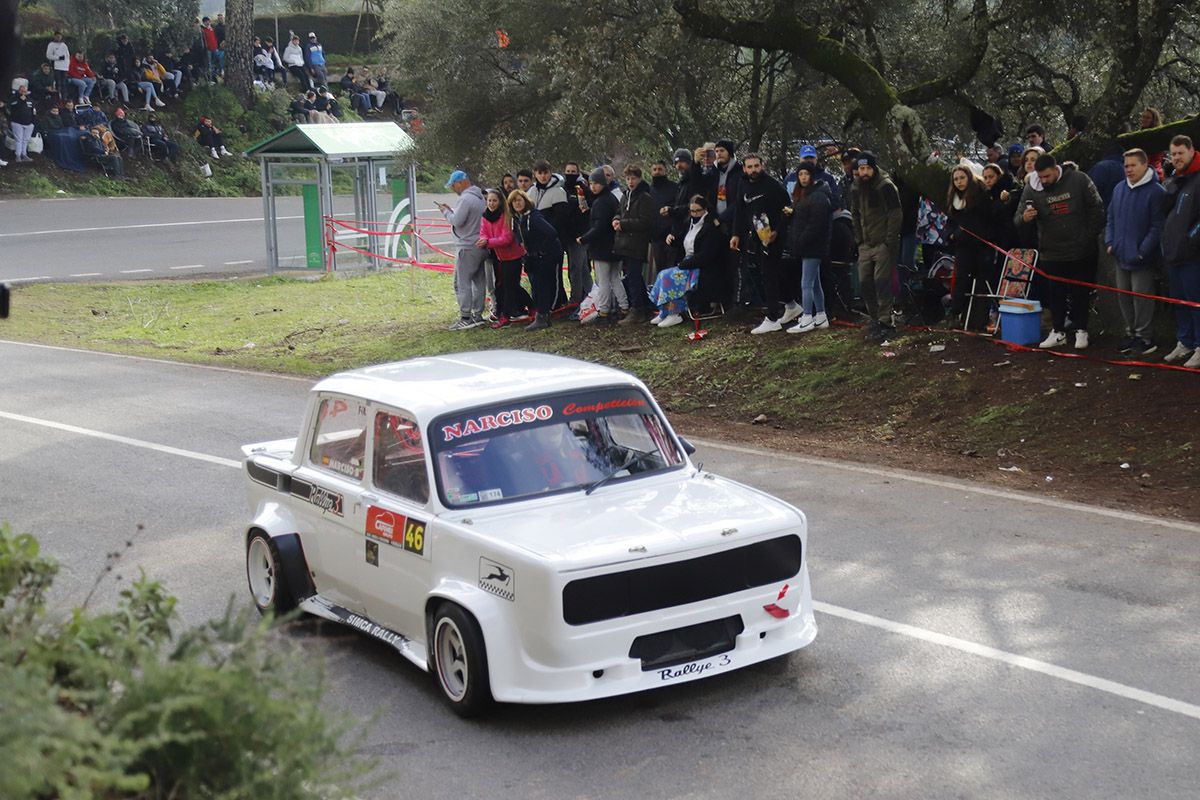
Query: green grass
{"points": [[998, 415]]}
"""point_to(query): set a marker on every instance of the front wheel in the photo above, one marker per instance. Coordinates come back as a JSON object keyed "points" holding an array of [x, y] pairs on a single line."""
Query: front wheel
{"points": [[264, 574], [460, 661]]}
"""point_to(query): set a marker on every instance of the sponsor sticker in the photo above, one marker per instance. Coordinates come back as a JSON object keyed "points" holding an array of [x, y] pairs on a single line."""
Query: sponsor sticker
{"points": [[695, 669], [497, 579], [600, 406], [396, 529], [328, 501]]}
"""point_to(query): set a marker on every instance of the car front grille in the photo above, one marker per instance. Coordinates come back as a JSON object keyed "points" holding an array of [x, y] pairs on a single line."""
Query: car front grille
{"points": [[637, 591], [684, 645]]}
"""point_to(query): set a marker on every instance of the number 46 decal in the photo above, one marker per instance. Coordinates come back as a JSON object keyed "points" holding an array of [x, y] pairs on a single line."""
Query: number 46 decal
{"points": [[414, 536]]}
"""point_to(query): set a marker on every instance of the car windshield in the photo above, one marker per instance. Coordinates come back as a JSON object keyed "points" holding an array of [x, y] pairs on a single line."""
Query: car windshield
{"points": [[536, 446]]}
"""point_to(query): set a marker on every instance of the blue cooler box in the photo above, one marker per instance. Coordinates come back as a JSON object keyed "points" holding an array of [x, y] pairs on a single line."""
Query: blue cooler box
{"points": [[1021, 321]]}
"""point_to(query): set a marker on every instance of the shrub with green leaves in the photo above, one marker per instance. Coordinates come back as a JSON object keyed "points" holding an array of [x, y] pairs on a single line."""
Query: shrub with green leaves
{"points": [[117, 704]]}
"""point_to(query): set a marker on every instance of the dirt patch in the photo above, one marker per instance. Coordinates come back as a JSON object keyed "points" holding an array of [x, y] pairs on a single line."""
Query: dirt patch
{"points": [[1118, 436]]}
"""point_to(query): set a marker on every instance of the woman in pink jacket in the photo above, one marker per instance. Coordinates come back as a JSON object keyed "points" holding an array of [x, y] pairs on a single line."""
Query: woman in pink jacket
{"points": [[495, 234]]}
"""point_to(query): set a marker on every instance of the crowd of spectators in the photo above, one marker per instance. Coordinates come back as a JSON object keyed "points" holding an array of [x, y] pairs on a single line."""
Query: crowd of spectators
{"points": [[79, 114], [723, 236]]}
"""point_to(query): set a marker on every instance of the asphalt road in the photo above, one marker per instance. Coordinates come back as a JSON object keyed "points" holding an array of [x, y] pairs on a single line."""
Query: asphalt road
{"points": [[973, 642], [136, 238]]}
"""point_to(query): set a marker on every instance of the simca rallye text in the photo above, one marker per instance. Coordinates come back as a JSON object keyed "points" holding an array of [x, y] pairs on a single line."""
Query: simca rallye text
{"points": [[526, 527]]}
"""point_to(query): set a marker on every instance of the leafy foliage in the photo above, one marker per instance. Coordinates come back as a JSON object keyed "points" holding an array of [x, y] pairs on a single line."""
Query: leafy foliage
{"points": [[115, 704]]}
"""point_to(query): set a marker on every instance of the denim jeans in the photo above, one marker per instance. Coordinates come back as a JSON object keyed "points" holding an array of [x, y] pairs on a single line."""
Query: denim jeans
{"points": [[1185, 285], [811, 294]]}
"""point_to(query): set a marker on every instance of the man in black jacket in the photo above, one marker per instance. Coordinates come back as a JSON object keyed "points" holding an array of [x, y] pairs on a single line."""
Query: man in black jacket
{"points": [[579, 270], [550, 197], [634, 225], [599, 239], [663, 190], [1181, 248], [757, 224]]}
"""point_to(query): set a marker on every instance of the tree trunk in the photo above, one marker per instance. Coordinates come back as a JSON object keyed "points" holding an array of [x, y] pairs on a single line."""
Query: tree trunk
{"points": [[239, 58]]}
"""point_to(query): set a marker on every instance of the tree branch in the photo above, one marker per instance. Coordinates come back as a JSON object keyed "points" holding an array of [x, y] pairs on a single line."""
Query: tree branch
{"points": [[961, 73]]}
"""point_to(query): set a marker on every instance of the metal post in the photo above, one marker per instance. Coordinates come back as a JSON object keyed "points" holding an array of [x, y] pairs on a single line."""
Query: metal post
{"points": [[325, 200], [371, 196], [268, 191], [412, 208]]}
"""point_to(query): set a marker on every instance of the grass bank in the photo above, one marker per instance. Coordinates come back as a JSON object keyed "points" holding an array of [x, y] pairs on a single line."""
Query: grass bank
{"points": [[930, 401]]}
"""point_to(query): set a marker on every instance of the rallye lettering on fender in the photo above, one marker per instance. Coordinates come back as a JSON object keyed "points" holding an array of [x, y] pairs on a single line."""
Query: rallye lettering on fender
{"points": [[324, 499], [503, 419]]}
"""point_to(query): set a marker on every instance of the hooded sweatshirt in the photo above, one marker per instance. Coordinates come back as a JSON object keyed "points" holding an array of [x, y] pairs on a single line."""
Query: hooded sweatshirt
{"points": [[498, 231], [466, 215], [1070, 214], [80, 68], [1135, 222], [59, 55], [551, 199], [1181, 232]]}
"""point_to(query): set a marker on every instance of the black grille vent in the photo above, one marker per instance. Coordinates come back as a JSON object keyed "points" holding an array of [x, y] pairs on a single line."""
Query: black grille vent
{"points": [[684, 645], [636, 591]]}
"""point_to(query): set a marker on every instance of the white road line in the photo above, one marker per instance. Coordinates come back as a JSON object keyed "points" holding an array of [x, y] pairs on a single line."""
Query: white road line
{"points": [[162, 448], [1004, 494], [234, 263], [145, 225], [188, 266], [21, 280], [922, 634], [134, 271], [84, 274], [1013, 659]]}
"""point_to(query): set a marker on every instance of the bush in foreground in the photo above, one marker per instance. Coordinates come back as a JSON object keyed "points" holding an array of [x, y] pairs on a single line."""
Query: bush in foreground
{"points": [[117, 705]]}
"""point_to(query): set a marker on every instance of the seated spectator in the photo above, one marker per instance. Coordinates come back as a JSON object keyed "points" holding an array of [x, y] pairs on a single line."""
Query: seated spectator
{"points": [[264, 66], [327, 103], [151, 74], [209, 135], [81, 76], [43, 87], [166, 82], [360, 100], [94, 147], [159, 140], [373, 87], [293, 59], [300, 108], [127, 132], [278, 72], [137, 77], [112, 80], [703, 251], [52, 120], [173, 67]]}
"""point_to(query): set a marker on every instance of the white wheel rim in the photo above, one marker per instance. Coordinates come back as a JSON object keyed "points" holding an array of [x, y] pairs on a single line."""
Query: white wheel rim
{"points": [[451, 659], [260, 572]]}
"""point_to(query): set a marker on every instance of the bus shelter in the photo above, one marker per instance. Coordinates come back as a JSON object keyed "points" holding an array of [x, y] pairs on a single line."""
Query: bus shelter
{"points": [[361, 157]]}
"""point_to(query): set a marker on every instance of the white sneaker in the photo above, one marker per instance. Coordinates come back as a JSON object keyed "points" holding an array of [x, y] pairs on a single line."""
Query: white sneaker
{"points": [[768, 325], [790, 312], [1054, 339], [159, 103], [213, 150], [147, 107], [658, 318], [1181, 353], [1194, 361], [805, 325], [225, 152], [820, 320], [669, 320], [1081, 340]]}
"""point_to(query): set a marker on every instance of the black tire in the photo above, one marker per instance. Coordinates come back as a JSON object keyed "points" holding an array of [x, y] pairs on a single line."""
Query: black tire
{"points": [[266, 577], [458, 660]]}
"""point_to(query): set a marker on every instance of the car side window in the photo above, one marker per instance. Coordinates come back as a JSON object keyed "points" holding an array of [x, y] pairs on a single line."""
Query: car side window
{"points": [[339, 442], [399, 465]]}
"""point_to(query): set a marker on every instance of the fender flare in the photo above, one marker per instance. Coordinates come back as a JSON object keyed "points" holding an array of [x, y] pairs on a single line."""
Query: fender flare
{"points": [[479, 604]]}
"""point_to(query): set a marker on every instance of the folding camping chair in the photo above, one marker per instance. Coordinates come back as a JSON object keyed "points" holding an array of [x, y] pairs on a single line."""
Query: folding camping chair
{"points": [[1016, 279]]}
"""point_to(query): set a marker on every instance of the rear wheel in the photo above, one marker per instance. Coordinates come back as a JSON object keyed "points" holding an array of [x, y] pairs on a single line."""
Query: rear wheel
{"points": [[264, 575], [460, 661]]}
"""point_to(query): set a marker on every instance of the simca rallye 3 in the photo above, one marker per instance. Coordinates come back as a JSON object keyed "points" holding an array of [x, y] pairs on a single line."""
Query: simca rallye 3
{"points": [[526, 527]]}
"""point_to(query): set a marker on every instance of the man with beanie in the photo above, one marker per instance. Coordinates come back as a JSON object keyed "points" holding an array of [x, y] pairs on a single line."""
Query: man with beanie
{"points": [[690, 183], [470, 285], [723, 179], [845, 185], [599, 238], [1064, 204], [579, 270], [758, 223], [875, 206], [663, 189]]}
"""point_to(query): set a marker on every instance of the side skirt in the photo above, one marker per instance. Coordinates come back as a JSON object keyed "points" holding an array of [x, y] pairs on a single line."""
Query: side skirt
{"points": [[320, 607]]}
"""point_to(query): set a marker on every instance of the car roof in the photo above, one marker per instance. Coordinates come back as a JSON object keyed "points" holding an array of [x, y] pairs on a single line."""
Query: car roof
{"points": [[433, 385]]}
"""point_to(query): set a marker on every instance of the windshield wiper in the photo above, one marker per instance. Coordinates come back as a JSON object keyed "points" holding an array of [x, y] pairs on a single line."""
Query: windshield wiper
{"points": [[631, 462]]}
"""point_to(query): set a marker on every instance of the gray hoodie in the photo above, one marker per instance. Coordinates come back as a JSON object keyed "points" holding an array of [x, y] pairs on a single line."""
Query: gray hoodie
{"points": [[466, 215]]}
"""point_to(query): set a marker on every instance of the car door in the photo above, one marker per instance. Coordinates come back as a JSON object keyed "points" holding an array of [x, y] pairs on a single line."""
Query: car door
{"points": [[330, 482], [396, 515]]}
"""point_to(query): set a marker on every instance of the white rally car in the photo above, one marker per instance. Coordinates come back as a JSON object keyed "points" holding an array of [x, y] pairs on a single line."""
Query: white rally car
{"points": [[526, 527]]}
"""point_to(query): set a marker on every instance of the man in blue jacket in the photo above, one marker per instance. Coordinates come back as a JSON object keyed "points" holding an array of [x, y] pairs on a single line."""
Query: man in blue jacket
{"points": [[1133, 235]]}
